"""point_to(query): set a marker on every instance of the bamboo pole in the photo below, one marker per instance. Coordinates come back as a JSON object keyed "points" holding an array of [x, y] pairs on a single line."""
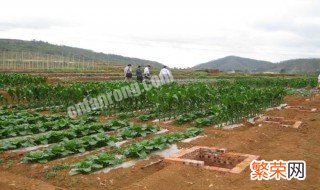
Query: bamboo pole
{"points": [[15, 61], [3, 60]]}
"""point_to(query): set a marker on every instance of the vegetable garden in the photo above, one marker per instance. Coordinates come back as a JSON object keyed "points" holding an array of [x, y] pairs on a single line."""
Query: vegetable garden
{"points": [[35, 124]]}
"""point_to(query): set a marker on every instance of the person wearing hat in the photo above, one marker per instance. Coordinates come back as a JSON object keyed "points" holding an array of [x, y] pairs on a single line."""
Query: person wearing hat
{"points": [[139, 74], [128, 72]]}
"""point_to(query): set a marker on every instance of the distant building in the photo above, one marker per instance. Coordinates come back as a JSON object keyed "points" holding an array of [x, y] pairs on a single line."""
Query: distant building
{"points": [[269, 72], [231, 72]]}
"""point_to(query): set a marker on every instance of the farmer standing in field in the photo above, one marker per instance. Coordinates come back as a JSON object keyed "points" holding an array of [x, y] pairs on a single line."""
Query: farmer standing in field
{"points": [[139, 74], [165, 75], [147, 73], [128, 72]]}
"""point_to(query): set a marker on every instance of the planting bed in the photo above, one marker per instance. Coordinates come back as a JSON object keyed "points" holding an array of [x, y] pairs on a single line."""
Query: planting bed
{"points": [[280, 121], [213, 159], [301, 108]]}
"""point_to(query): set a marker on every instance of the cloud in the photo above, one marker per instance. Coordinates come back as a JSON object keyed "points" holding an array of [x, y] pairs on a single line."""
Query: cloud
{"points": [[293, 34], [31, 23], [306, 29], [177, 33]]}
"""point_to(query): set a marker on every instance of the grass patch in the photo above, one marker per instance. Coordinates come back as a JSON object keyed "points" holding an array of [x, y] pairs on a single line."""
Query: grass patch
{"points": [[60, 167], [9, 164], [51, 174]]}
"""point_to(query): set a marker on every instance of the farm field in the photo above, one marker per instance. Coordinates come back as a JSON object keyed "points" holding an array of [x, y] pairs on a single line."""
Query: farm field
{"points": [[122, 145]]}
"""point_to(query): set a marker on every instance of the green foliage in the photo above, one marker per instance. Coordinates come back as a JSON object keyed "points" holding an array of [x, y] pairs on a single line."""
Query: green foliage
{"points": [[240, 102], [169, 100], [302, 92], [38, 126], [289, 82], [51, 174], [97, 162], [60, 167], [125, 115], [92, 142], [9, 118], [20, 79], [147, 117], [136, 150], [186, 117], [77, 130]]}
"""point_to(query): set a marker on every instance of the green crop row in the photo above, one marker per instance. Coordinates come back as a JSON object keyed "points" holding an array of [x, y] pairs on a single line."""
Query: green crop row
{"points": [[234, 107], [14, 118], [20, 79], [86, 143], [57, 136], [30, 129], [137, 150], [70, 94]]}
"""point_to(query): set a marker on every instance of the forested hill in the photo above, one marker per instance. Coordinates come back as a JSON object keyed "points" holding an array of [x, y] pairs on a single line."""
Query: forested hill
{"points": [[234, 63], [47, 48], [230, 63]]}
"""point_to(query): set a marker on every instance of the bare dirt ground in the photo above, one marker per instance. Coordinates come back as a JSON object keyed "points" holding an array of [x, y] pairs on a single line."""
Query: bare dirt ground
{"points": [[271, 142], [53, 80]]}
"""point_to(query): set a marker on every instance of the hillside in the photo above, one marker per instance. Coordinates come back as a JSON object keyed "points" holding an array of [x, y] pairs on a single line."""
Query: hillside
{"points": [[47, 48], [231, 63], [298, 66]]}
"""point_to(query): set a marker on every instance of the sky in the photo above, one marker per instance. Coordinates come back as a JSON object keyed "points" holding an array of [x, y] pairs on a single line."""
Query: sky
{"points": [[177, 33]]}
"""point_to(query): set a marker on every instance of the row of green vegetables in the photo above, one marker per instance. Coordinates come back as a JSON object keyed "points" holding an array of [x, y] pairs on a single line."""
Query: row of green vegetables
{"points": [[12, 118], [235, 106], [200, 100], [221, 104], [76, 131], [60, 94], [87, 143], [224, 103], [258, 81], [30, 129], [16, 79], [136, 150], [69, 94], [32, 106]]}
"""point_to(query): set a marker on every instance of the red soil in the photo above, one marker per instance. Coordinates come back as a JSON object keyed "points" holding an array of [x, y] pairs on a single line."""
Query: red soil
{"points": [[270, 141]]}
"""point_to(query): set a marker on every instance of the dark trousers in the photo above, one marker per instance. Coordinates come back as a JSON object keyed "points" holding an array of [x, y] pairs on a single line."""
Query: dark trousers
{"points": [[139, 78]]}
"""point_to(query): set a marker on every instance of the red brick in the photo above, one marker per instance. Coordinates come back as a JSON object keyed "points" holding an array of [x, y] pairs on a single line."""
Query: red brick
{"points": [[183, 157]]}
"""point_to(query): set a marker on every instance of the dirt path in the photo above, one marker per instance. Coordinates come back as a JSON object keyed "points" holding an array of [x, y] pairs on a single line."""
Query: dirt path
{"points": [[9, 181], [269, 141]]}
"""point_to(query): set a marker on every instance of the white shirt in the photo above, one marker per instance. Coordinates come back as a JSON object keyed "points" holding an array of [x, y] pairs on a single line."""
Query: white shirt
{"points": [[127, 69], [319, 77], [165, 71], [146, 71]]}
